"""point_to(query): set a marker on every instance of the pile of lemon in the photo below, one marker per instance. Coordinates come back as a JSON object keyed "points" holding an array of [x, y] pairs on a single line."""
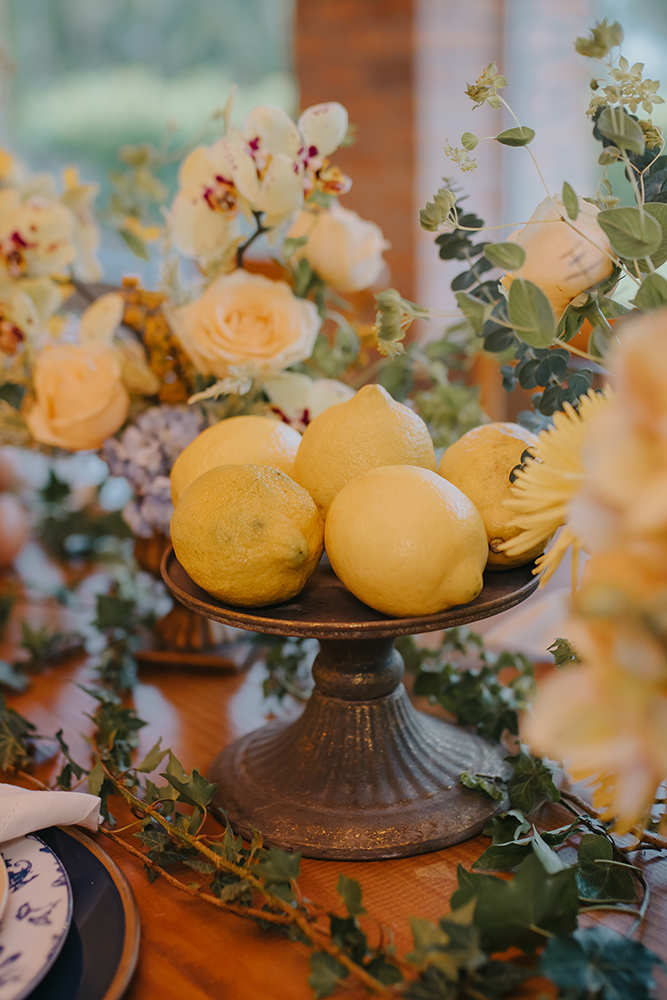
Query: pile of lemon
{"points": [[256, 503]]}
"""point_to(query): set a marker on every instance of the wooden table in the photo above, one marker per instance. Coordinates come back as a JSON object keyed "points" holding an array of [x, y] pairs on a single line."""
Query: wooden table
{"points": [[189, 950]]}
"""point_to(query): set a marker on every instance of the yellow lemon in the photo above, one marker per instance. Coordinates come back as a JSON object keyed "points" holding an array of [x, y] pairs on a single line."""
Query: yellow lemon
{"points": [[247, 534], [365, 432], [406, 542], [480, 463], [236, 441]]}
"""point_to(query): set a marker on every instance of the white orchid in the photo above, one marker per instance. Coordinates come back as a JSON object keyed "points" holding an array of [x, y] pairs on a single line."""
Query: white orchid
{"points": [[267, 168], [35, 237], [298, 399]]}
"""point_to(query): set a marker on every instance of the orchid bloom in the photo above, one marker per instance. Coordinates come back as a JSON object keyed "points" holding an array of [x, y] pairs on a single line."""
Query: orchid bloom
{"points": [[269, 167]]}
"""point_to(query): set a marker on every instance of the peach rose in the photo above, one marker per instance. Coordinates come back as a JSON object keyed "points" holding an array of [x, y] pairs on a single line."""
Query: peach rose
{"points": [[246, 318], [344, 249], [563, 259], [80, 398]]}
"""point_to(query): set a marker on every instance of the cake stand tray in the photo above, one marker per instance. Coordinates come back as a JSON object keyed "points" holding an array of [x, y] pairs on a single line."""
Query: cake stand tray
{"points": [[361, 775]]}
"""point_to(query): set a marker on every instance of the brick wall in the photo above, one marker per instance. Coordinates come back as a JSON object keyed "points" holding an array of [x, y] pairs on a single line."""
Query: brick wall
{"points": [[360, 52]]}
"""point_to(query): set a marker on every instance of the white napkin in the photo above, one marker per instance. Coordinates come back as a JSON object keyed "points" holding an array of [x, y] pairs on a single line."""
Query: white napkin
{"points": [[23, 811]]}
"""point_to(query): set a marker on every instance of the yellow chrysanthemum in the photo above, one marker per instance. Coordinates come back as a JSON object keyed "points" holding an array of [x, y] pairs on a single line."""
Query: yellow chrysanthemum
{"points": [[544, 488]]}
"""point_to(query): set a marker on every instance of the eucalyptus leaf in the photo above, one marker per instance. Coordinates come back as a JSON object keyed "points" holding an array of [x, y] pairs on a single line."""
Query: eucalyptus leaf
{"points": [[475, 310], [531, 314], [631, 233], [659, 256], [570, 201], [135, 243], [509, 256], [519, 136], [469, 141], [624, 131], [652, 293], [293, 243]]}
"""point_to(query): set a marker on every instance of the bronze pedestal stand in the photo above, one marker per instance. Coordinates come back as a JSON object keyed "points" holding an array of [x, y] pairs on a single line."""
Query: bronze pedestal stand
{"points": [[361, 775]]}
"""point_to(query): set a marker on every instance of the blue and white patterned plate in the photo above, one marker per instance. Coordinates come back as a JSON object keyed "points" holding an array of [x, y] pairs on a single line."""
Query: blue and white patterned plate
{"points": [[37, 917]]}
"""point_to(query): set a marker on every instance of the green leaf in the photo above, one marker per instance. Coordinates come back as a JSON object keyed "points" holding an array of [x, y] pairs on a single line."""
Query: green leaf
{"points": [[469, 141], [135, 243], [563, 652], [531, 314], [519, 136], [659, 212], [96, 778], [652, 293], [598, 962], [194, 790], [510, 256], [275, 865], [570, 201], [153, 758], [524, 911], [481, 783], [531, 783], [450, 945], [350, 892], [499, 857], [617, 125], [598, 880], [476, 311], [547, 856], [325, 974], [293, 243], [11, 677], [498, 979], [113, 612], [384, 971], [631, 233]]}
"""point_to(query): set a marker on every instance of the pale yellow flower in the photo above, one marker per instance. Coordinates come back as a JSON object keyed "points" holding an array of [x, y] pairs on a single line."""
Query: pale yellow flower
{"points": [[544, 488]]}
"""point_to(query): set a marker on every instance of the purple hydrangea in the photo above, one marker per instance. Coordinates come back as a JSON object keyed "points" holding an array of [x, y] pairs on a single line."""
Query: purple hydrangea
{"points": [[144, 454]]}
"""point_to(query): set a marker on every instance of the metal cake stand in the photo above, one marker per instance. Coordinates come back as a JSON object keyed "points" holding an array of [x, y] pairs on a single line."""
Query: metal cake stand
{"points": [[361, 775]]}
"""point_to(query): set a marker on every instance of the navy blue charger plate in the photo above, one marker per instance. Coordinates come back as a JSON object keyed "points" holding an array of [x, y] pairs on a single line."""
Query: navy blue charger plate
{"points": [[101, 949]]}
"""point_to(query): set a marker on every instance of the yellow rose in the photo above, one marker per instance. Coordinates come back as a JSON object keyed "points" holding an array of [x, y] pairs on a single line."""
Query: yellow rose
{"points": [[80, 398], [246, 318], [344, 249], [562, 258]]}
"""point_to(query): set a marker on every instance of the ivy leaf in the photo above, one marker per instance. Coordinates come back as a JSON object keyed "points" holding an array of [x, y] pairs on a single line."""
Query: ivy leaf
{"points": [[325, 974], [350, 892], [509, 256], [498, 979], [631, 233], [481, 783], [598, 962], [96, 778], [563, 652], [519, 136], [597, 880], [531, 314], [617, 125], [384, 971], [113, 612], [153, 758], [531, 783], [499, 857], [652, 293], [522, 912], [72, 764], [570, 201], [450, 945], [275, 865], [547, 856], [195, 790]]}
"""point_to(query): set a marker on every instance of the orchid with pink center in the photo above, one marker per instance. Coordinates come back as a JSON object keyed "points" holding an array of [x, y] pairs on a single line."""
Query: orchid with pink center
{"points": [[263, 171]]}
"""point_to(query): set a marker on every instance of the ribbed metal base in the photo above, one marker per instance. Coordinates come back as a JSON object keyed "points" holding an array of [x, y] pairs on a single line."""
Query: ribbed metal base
{"points": [[356, 780]]}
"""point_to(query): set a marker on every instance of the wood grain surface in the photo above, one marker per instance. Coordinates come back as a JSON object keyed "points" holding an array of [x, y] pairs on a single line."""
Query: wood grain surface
{"points": [[191, 950]]}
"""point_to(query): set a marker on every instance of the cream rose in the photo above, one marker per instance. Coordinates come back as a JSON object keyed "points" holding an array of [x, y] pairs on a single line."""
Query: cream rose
{"points": [[80, 398], [344, 249], [246, 318], [562, 259]]}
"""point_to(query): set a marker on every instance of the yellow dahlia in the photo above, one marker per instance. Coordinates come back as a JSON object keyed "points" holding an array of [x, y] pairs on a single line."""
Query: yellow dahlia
{"points": [[544, 488]]}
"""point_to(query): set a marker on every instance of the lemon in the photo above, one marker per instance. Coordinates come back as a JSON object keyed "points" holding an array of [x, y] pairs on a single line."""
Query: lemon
{"points": [[365, 432], [247, 534], [236, 441], [480, 463], [406, 542]]}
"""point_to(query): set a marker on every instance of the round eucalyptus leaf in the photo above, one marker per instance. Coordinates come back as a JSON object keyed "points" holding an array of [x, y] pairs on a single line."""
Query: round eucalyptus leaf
{"points": [[531, 314], [632, 233], [469, 141], [509, 256], [570, 201], [659, 256], [624, 131], [652, 293], [519, 136]]}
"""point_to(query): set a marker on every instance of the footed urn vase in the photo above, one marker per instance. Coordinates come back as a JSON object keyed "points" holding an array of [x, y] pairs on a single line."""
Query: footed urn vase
{"points": [[361, 775]]}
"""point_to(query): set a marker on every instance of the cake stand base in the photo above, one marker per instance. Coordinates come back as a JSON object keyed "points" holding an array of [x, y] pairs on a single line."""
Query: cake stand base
{"points": [[356, 778]]}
